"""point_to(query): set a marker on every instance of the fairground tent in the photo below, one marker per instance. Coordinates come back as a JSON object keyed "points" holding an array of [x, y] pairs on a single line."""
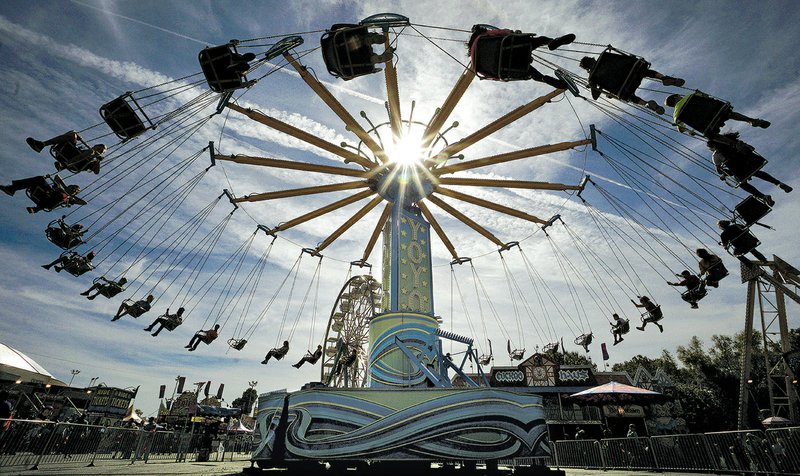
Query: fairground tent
{"points": [[14, 365]]}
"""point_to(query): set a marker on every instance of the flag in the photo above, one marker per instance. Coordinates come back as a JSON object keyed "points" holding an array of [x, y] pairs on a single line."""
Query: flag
{"points": [[605, 351], [181, 381], [208, 387], [161, 391], [219, 392]]}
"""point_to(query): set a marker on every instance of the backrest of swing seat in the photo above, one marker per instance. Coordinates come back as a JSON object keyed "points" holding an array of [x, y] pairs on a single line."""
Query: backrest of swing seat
{"points": [[750, 210], [64, 152], [110, 291], [619, 74], [121, 118], [501, 54], [216, 63], [79, 267], [625, 327], [742, 168], [704, 114], [171, 324], [346, 52], [744, 243], [517, 354]]}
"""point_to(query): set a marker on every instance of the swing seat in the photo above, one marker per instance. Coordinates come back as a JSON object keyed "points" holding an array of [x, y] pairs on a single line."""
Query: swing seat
{"points": [[171, 322], [704, 113], [584, 340], [750, 210], [502, 55], [66, 156], [219, 64], [237, 344], [716, 273], [110, 291], [742, 244], [41, 195], [517, 354], [61, 238], [78, 266], [618, 74], [485, 359], [653, 316], [622, 329], [123, 119], [695, 294], [550, 348], [742, 168], [134, 310], [347, 51]]}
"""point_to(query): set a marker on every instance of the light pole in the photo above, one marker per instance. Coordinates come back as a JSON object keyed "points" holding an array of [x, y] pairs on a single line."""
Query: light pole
{"points": [[93, 380], [74, 372]]}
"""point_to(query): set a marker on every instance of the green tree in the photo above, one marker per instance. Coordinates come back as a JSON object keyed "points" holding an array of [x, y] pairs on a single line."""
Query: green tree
{"points": [[246, 401]]}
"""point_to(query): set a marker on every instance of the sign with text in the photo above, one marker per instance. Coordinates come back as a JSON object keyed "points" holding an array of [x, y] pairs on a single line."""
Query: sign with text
{"points": [[110, 400]]}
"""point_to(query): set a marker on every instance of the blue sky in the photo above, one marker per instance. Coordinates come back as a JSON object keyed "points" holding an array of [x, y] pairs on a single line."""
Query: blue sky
{"points": [[62, 60]]}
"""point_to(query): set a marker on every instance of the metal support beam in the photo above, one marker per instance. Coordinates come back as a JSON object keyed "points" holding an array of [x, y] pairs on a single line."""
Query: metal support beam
{"points": [[487, 204], [337, 108], [322, 211], [392, 93], [438, 120], [304, 136], [494, 126], [438, 229], [466, 220], [350, 222], [297, 192], [437, 382], [376, 232], [524, 184], [510, 156], [288, 164]]}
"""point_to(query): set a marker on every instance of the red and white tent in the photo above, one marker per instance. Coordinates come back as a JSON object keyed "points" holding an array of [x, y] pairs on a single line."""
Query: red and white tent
{"points": [[616, 393]]}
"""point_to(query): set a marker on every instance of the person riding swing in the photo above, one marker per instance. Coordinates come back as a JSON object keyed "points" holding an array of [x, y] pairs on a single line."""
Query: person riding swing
{"points": [[711, 266], [652, 313], [311, 358], [619, 328], [277, 352], [167, 320], [134, 309], [204, 336], [695, 288], [105, 287], [505, 55], [620, 75]]}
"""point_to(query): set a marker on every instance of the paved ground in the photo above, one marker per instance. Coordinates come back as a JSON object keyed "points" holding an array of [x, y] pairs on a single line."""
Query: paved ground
{"points": [[226, 468]]}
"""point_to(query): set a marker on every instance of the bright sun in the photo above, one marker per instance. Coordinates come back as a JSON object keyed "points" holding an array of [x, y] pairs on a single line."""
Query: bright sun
{"points": [[405, 151]]}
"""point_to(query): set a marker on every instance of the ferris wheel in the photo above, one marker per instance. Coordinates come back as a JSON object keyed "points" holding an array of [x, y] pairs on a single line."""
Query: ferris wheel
{"points": [[344, 357]]}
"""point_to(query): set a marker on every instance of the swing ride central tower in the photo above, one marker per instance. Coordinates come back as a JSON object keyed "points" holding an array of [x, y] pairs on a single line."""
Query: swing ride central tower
{"points": [[408, 315]]}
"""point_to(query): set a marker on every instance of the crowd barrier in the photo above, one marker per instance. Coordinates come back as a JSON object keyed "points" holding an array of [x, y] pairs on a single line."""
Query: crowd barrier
{"points": [[29, 443], [775, 451]]}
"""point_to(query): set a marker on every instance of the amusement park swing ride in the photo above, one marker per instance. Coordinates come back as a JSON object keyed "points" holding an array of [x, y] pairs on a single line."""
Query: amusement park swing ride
{"points": [[386, 390]]}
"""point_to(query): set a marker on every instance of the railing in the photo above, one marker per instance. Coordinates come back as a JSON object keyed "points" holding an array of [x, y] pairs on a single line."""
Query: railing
{"points": [[775, 451], [33, 443]]}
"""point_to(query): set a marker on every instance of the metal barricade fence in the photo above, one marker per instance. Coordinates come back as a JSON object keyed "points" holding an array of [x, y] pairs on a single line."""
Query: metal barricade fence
{"points": [[632, 453], [24, 441], [236, 448], [785, 447], [72, 443], [578, 454], [738, 451], [683, 452], [116, 444]]}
